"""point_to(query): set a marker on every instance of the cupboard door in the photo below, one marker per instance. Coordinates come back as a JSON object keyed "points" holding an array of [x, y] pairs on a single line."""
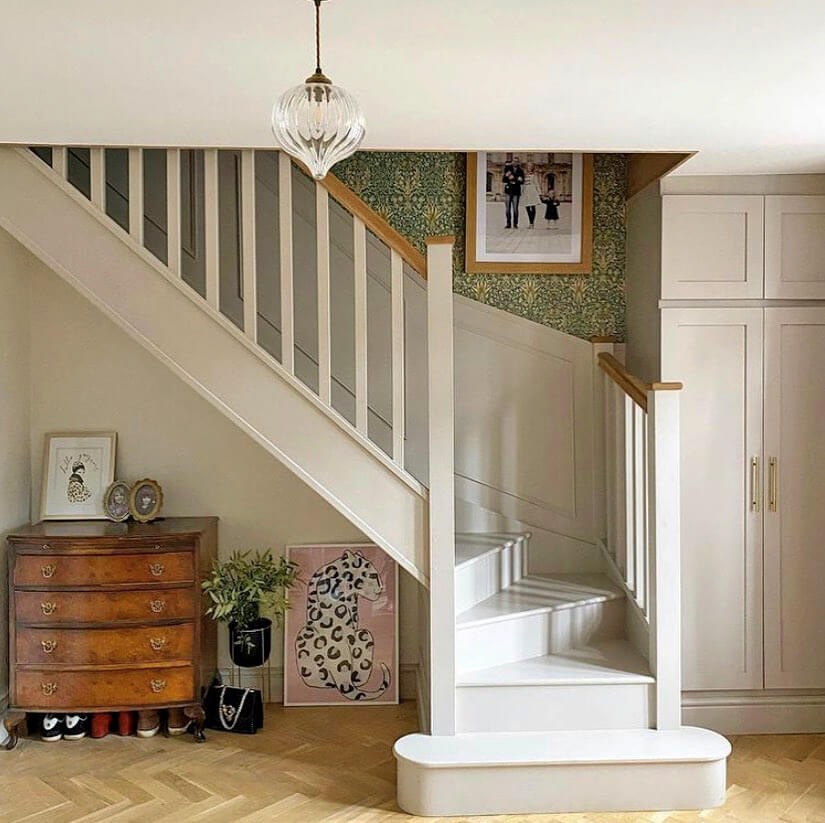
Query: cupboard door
{"points": [[712, 246], [795, 246], [717, 354], [795, 499]]}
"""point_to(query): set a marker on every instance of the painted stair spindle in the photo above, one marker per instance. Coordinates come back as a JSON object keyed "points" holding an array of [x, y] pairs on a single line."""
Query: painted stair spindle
{"points": [[324, 324], [397, 299], [97, 177], [248, 253], [211, 227], [285, 233], [173, 207], [359, 238], [136, 195]]}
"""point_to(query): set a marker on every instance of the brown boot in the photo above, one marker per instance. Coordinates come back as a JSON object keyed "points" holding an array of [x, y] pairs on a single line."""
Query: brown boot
{"points": [[178, 722], [148, 724]]}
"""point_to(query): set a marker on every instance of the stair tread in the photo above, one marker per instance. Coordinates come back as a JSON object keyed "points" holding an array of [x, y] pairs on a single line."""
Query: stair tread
{"points": [[609, 662], [541, 593], [687, 744], [471, 546]]}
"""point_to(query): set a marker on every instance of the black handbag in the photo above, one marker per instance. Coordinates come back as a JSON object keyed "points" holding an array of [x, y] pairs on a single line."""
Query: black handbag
{"points": [[229, 709]]}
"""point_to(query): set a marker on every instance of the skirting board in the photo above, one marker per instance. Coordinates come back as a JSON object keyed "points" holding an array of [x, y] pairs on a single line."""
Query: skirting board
{"points": [[774, 712], [255, 679]]}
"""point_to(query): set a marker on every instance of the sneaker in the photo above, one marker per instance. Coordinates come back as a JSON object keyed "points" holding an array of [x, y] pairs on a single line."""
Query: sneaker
{"points": [[148, 723], [52, 727], [100, 724], [177, 723], [77, 726]]}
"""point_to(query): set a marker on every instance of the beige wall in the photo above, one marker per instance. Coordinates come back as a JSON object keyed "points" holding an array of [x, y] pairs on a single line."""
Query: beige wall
{"points": [[89, 374], [14, 414]]}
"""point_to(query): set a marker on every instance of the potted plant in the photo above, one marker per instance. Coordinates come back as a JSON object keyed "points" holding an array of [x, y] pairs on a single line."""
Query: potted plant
{"points": [[243, 587]]}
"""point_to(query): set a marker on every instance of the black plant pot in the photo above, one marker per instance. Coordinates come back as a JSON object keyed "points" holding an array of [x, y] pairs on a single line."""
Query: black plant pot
{"points": [[254, 652]]}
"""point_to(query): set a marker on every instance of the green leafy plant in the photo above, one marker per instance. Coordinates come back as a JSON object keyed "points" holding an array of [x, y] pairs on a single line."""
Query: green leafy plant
{"points": [[248, 584]]}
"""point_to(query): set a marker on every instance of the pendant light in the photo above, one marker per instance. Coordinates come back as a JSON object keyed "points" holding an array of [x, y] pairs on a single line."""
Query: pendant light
{"points": [[318, 123]]}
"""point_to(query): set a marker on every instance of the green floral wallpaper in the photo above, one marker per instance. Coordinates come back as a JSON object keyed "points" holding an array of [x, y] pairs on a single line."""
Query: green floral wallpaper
{"points": [[423, 193]]}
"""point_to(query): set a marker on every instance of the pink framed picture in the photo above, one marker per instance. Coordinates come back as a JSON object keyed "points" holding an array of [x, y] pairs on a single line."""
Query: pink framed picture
{"points": [[341, 629]]}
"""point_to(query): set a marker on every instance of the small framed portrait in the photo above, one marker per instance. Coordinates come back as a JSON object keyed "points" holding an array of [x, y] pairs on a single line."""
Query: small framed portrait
{"points": [[341, 628], [78, 467], [529, 212], [145, 500], [116, 501]]}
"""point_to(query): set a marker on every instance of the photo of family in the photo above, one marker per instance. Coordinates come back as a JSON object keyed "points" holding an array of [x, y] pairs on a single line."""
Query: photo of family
{"points": [[529, 211]]}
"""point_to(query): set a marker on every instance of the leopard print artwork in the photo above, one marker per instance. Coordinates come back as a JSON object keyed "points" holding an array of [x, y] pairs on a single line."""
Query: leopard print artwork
{"points": [[331, 652]]}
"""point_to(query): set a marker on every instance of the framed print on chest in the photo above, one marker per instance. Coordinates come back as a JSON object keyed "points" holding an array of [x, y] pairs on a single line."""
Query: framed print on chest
{"points": [[529, 212]]}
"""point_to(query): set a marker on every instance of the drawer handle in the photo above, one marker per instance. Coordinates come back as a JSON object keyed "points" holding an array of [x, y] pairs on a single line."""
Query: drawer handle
{"points": [[48, 570], [158, 644], [48, 646], [158, 686], [157, 606], [48, 688], [157, 569], [46, 547], [48, 608]]}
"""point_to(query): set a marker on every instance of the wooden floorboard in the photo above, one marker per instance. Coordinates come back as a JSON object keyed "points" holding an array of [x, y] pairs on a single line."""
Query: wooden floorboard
{"points": [[333, 765]]}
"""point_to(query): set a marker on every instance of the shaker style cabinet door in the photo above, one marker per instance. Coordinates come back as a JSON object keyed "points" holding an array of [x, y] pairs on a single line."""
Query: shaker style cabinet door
{"points": [[795, 498], [717, 354], [712, 246], [795, 246]]}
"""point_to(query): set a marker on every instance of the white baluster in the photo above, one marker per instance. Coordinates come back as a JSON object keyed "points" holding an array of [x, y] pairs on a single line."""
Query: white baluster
{"points": [[440, 370], [173, 245], [60, 156], [97, 176], [287, 294], [640, 506], [360, 269], [620, 480], [397, 298], [136, 195], [211, 227], [610, 465], [664, 593], [322, 258], [630, 492], [248, 252]]}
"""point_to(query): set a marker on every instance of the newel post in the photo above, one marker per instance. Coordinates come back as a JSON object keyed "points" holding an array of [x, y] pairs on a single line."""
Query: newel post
{"points": [[664, 548], [442, 483]]}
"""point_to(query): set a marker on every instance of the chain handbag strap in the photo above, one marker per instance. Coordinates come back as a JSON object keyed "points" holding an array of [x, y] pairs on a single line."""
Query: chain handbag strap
{"points": [[229, 715]]}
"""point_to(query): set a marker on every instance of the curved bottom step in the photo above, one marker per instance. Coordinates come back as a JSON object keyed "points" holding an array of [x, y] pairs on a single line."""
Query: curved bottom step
{"points": [[565, 771]]}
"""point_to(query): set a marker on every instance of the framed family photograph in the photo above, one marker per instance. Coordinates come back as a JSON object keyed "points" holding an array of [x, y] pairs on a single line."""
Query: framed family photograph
{"points": [[78, 468], [341, 628], [529, 212]]}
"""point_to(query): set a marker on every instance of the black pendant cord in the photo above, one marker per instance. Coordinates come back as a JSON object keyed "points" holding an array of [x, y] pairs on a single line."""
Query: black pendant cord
{"points": [[318, 37]]}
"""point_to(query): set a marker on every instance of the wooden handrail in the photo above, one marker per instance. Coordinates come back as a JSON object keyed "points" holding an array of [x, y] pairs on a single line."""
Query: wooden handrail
{"points": [[372, 220], [635, 388]]}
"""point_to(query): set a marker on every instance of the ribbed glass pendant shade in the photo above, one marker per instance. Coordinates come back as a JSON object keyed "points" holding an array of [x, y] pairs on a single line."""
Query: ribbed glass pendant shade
{"points": [[319, 124]]}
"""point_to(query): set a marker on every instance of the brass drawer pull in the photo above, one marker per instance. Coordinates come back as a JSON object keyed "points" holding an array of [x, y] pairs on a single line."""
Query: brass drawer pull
{"points": [[48, 608], [46, 547], [48, 688], [48, 646], [157, 569], [158, 686], [158, 644], [754, 502], [48, 570], [157, 606]]}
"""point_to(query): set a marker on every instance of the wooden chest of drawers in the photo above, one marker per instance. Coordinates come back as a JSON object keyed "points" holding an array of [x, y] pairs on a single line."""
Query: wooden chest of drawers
{"points": [[110, 617]]}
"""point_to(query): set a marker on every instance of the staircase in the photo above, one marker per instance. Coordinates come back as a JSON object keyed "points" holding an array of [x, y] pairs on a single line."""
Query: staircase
{"points": [[543, 692]]}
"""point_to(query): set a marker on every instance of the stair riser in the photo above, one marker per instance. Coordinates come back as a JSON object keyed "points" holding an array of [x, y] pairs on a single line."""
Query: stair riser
{"points": [[532, 635], [536, 789], [554, 708], [479, 579]]}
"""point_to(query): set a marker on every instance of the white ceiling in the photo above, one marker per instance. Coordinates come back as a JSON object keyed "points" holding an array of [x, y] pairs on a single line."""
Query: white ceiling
{"points": [[740, 81]]}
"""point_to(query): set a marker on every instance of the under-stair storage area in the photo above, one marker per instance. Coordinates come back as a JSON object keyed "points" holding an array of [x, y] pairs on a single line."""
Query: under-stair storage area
{"points": [[737, 316]]}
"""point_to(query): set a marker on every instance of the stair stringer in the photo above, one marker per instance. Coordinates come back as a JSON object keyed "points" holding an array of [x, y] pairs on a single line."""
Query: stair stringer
{"points": [[168, 318]]}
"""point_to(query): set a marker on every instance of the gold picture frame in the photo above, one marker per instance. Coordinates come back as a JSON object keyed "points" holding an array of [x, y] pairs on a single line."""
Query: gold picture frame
{"points": [[585, 262], [144, 510]]}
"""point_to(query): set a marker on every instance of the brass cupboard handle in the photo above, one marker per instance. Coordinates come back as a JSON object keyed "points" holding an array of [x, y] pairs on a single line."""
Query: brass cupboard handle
{"points": [[48, 688], [754, 484], [158, 644], [48, 608], [157, 606], [772, 484], [157, 569], [48, 570], [48, 646], [158, 686]]}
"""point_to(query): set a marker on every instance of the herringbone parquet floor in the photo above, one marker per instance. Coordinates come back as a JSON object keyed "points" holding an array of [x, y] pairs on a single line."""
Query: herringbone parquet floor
{"points": [[335, 765]]}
